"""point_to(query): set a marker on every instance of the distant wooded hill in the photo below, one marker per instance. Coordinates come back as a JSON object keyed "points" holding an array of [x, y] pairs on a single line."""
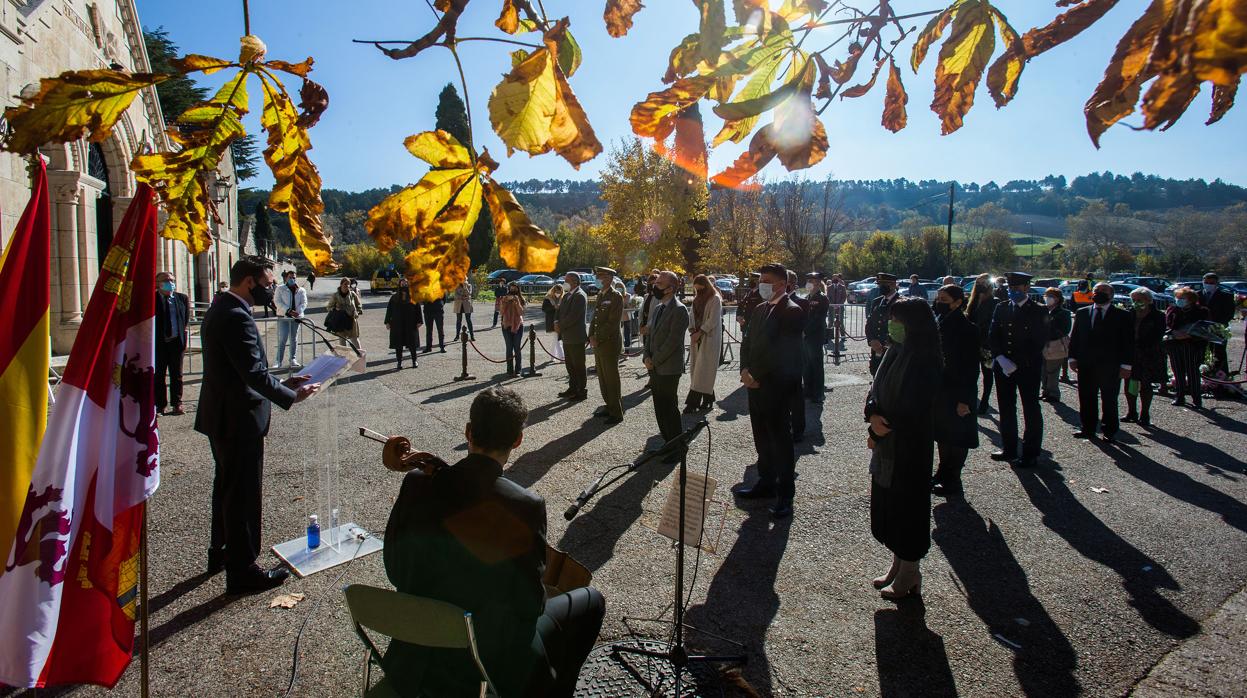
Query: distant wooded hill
{"points": [[878, 204]]}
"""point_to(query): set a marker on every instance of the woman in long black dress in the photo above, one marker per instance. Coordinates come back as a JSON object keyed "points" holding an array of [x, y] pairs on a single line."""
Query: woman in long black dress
{"points": [[403, 319], [1186, 350], [956, 426], [1148, 366], [901, 437]]}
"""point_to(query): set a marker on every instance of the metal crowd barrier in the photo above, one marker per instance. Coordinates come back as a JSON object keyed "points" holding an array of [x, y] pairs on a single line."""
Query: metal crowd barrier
{"points": [[306, 349]]}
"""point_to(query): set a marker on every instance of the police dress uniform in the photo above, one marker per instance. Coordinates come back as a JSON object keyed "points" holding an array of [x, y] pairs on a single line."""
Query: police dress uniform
{"points": [[877, 319], [1018, 334], [746, 304], [607, 334], [815, 338]]}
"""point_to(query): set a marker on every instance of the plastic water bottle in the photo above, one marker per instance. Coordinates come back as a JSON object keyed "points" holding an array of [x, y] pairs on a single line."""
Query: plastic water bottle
{"points": [[313, 532]]}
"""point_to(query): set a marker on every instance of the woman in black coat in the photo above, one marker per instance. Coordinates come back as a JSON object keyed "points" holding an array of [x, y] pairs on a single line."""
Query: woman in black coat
{"points": [[1148, 366], [956, 425], [1186, 351], [982, 307], [403, 319], [901, 437]]}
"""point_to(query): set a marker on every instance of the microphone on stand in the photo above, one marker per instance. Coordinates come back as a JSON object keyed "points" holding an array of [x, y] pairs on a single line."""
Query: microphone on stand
{"points": [[584, 497], [321, 334]]}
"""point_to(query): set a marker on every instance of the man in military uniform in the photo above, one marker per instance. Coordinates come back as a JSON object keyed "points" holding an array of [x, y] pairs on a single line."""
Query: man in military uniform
{"points": [[606, 338], [749, 299], [877, 318], [815, 336], [1018, 333]]}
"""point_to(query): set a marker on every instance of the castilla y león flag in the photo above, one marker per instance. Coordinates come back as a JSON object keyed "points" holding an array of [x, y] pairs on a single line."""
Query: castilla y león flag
{"points": [[69, 586]]}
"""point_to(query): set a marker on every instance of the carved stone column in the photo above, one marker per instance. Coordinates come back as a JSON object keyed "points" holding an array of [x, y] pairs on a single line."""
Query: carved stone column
{"points": [[67, 306]]}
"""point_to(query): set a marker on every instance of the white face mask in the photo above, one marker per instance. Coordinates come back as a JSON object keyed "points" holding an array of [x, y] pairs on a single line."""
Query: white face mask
{"points": [[767, 291], [1052, 302], [809, 288], [566, 287]]}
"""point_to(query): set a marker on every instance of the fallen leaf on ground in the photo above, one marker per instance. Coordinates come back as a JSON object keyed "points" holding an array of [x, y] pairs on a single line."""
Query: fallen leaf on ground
{"points": [[1099, 490], [285, 600]]}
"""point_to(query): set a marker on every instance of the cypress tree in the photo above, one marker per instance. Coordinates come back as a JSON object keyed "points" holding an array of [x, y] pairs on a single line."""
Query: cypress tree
{"points": [[452, 117]]}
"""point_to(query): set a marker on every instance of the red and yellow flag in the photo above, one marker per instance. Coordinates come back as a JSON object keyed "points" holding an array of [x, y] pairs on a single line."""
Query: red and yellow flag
{"points": [[25, 347]]}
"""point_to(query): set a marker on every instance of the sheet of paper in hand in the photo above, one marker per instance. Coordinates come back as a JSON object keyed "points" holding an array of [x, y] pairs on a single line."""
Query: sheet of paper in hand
{"points": [[327, 368]]}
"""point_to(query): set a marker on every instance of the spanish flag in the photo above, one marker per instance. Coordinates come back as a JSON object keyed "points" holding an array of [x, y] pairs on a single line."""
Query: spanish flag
{"points": [[25, 346]]}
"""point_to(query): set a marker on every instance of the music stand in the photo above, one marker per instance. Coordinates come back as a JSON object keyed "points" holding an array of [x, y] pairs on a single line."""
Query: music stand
{"points": [[676, 654]]}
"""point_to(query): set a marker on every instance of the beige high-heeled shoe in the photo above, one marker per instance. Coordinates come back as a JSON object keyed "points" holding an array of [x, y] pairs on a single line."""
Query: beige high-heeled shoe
{"points": [[881, 582], [907, 582]]}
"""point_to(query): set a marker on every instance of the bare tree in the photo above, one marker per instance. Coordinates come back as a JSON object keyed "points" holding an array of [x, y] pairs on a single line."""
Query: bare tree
{"points": [[807, 217]]}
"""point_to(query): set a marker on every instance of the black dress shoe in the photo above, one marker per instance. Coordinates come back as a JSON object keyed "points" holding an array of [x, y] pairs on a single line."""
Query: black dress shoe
{"points": [[577, 397], [1001, 456], [1130, 418], [216, 560], [942, 490], [781, 510], [567, 393], [1080, 434], [1026, 462], [755, 492], [256, 581], [612, 421]]}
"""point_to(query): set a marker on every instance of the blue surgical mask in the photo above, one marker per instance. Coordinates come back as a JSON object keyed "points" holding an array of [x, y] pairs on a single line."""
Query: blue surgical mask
{"points": [[1017, 296], [1182, 302], [292, 283], [167, 286]]}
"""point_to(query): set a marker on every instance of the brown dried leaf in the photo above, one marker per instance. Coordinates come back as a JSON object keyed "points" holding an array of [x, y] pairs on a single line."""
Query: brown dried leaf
{"points": [[750, 163], [509, 20], [690, 142], [862, 89], [929, 35], [618, 16], [300, 69], [1222, 101], [1115, 97], [1003, 77], [962, 60], [894, 115], [313, 101], [73, 105], [521, 244], [195, 63]]}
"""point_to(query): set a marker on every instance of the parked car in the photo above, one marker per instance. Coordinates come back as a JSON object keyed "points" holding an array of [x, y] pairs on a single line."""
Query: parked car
{"points": [[1047, 283], [535, 283], [862, 293], [727, 289], [1196, 285], [1121, 288], [1155, 283], [929, 289], [384, 280], [505, 274]]}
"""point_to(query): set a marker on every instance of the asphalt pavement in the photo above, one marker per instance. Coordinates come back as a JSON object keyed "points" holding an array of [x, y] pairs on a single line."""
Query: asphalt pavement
{"points": [[1080, 577]]}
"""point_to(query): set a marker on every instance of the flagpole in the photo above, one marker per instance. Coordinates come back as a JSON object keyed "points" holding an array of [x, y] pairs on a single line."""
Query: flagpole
{"points": [[143, 660]]}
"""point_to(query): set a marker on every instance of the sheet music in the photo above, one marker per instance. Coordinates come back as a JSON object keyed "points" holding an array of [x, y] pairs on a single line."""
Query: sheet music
{"points": [[698, 491], [325, 369]]}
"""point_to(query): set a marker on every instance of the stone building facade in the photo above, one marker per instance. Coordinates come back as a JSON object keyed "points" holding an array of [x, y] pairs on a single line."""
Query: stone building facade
{"points": [[90, 183]]}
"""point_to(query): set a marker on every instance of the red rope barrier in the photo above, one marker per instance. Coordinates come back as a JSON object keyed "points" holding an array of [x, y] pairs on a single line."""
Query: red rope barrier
{"points": [[493, 361], [547, 351]]}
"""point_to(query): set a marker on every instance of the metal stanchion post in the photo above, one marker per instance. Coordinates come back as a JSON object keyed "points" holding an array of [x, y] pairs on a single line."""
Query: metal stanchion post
{"points": [[463, 344], [532, 353]]}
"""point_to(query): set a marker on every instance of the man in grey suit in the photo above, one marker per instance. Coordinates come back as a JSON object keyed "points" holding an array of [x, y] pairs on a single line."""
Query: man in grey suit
{"points": [[664, 357], [570, 324]]}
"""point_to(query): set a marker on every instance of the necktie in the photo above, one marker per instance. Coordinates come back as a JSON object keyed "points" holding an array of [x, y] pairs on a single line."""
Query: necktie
{"points": [[658, 313], [1095, 317]]}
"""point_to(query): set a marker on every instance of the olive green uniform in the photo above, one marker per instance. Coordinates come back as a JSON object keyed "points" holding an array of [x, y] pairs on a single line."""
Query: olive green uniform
{"points": [[607, 334]]}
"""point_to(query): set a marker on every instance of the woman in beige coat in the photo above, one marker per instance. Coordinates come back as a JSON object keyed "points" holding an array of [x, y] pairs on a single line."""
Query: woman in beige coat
{"points": [[706, 340], [347, 300]]}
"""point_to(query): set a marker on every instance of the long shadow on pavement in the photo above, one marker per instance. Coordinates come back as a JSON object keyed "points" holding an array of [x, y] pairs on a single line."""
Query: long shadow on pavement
{"points": [[734, 405], [1068, 518], [591, 537], [911, 657], [533, 465], [997, 590], [741, 602], [1213, 459], [1178, 485]]}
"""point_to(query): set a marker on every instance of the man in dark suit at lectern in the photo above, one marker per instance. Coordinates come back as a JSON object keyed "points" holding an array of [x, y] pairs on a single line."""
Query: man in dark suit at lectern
{"points": [[234, 414]]}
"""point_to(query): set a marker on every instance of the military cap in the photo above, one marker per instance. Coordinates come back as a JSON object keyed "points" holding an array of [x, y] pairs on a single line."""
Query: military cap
{"points": [[884, 276], [814, 275], [604, 271], [755, 275], [1017, 278]]}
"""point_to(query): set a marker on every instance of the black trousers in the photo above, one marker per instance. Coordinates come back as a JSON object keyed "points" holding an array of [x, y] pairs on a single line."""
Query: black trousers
{"points": [[577, 373], [414, 349], [168, 361], [237, 500], [435, 321], [1022, 386], [988, 374], [813, 379], [772, 436], [665, 392], [568, 629], [875, 360], [459, 320], [1098, 387], [952, 461]]}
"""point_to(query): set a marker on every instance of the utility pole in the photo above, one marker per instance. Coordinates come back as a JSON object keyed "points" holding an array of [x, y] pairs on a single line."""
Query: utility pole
{"points": [[952, 192]]}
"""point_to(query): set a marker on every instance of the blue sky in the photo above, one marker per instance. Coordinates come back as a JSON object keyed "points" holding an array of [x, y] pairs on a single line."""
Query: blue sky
{"points": [[375, 102]]}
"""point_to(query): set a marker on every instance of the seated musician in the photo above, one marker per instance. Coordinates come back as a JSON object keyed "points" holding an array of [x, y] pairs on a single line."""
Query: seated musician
{"points": [[469, 536]]}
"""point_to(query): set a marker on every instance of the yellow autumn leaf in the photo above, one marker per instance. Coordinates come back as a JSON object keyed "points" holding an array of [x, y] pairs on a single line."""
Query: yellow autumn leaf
{"points": [[195, 63], [521, 244], [73, 105], [962, 60], [439, 149], [439, 262], [407, 214], [297, 184], [522, 106]]}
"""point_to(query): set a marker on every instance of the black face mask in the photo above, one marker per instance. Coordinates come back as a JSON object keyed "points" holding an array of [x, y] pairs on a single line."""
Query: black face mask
{"points": [[1101, 298], [941, 308], [261, 295], [886, 289]]}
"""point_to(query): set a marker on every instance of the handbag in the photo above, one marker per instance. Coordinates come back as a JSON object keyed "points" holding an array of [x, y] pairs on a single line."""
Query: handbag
{"points": [[338, 321], [1056, 349]]}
